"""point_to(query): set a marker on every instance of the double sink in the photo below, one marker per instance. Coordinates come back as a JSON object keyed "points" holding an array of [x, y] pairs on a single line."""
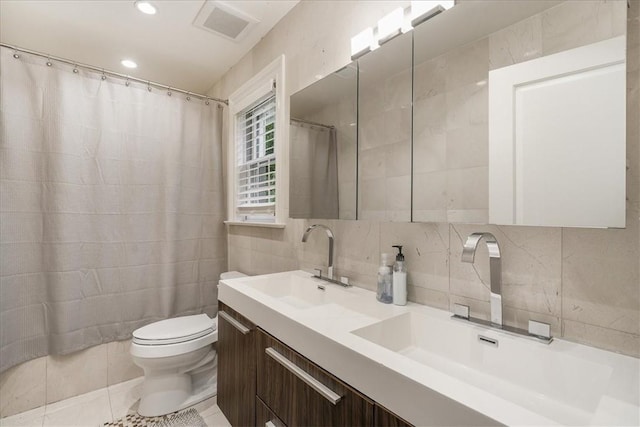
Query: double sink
{"points": [[402, 355]]}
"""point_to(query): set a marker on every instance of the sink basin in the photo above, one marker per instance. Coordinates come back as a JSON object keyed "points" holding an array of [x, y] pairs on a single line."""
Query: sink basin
{"points": [[536, 376], [298, 292]]}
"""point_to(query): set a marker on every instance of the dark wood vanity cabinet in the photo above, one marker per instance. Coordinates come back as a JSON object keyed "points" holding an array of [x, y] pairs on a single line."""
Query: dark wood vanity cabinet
{"points": [[263, 382], [236, 367], [300, 393], [264, 416]]}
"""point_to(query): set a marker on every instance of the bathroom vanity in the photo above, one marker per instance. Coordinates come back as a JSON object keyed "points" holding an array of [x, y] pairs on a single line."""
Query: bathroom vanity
{"points": [[261, 375], [292, 353]]}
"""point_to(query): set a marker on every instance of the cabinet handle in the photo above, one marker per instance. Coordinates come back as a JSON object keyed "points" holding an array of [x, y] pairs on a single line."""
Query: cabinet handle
{"points": [[326, 392], [239, 326]]}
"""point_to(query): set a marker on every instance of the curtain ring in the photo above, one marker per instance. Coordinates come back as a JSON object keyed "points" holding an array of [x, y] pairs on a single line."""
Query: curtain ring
{"points": [[49, 63], [206, 101], [149, 86], [188, 96], [75, 69], [16, 54], [127, 82], [169, 91], [104, 77]]}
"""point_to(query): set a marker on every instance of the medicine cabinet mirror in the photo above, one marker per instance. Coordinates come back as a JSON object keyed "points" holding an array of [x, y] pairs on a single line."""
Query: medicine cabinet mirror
{"points": [[323, 147], [384, 132], [505, 130], [433, 106]]}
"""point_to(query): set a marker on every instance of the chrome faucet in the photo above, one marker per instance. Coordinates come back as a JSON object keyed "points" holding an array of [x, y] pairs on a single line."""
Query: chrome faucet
{"points": [[536, 330], [495, 269], [305, 236]]}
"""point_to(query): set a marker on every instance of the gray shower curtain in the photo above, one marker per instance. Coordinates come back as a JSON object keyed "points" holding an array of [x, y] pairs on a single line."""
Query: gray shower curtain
{"points": [[111, 208], [314, 172]]}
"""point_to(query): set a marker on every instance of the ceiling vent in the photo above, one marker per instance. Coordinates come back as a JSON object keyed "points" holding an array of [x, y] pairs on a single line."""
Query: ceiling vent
{"points": [[224, 20]]}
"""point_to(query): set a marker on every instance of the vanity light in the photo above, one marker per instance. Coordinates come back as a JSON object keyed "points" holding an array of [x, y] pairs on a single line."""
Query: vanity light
{"points": [[390, 25], [145, 7], [362, 43], [422, 10], [129, 63]]}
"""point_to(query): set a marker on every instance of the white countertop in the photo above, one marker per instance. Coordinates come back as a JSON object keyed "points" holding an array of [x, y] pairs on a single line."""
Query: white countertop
{"points": [[456, 381]]}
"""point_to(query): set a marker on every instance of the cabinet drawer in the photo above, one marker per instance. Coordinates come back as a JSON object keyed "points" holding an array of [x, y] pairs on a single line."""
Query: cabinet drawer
{"points": [[264, 416], [302, 394], [236, 367]]}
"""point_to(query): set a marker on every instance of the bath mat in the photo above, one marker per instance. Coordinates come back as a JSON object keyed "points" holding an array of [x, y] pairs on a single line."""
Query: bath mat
{"points": [[188, 418]]}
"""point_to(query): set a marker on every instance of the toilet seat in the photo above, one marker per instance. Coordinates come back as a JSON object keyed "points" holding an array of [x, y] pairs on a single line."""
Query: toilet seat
{"points": [[168, 337], [175, 330]]}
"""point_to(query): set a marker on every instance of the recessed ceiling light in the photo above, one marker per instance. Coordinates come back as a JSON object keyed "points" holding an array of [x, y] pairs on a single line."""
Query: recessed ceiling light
{"points": [[145, 7], [129, 63]]}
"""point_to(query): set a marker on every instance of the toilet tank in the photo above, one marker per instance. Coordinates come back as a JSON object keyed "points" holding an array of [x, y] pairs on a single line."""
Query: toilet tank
{"points": [[231, 275]]}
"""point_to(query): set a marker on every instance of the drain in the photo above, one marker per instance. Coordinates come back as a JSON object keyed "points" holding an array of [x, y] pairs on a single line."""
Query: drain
{"points": [[487, 340]]}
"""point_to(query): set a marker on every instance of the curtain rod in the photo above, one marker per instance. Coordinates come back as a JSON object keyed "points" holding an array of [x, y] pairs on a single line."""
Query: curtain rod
{"points": [[113, 73], [293, 119]]}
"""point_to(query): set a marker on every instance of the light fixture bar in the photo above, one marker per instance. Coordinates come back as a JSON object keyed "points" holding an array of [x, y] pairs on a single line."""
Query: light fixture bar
{"points": [[362, 43], [397, 22], [423, 10], [390, 26]]}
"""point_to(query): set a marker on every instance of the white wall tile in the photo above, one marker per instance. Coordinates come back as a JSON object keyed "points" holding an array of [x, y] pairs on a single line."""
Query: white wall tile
{"points": [[120, 366], [23, 387], [76, 373]]}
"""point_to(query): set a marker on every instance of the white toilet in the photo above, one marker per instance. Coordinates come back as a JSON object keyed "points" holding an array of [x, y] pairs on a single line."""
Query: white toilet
{"points": [[179, 361]]}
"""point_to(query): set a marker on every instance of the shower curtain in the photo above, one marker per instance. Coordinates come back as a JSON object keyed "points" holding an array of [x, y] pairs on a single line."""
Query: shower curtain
{"points": [[314, 172], [111, 208]]}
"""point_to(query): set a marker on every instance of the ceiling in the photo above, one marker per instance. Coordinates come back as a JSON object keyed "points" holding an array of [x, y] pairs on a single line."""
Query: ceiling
{"points": [[167, 47]]}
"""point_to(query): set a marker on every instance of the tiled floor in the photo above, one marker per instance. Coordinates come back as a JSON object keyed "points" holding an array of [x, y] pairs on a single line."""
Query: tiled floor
{"points": [[100, 406]]}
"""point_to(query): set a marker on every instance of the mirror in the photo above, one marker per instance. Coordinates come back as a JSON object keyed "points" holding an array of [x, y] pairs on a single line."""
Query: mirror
{"points": [[323, 147], [455, 158], [557, 138], [384, 132], [427, 146]]}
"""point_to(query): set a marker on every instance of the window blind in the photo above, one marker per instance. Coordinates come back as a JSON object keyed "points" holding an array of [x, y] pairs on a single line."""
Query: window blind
{"points": [[256, 160]]}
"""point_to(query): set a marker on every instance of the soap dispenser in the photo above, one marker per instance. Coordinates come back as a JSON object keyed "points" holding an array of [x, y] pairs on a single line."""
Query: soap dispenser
{"points": [[399, 279], [384, 293]]}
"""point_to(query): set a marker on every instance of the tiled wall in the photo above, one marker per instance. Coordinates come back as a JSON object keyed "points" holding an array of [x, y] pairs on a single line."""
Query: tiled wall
{"points": [[584, 282], [52, 378]]}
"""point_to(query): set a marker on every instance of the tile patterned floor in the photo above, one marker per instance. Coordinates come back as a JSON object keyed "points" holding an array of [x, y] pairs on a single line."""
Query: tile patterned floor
{"points": [[101, 406]]}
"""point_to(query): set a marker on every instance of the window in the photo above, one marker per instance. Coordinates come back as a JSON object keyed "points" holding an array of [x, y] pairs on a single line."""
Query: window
{"points": [[256, 160], [258, 150]]}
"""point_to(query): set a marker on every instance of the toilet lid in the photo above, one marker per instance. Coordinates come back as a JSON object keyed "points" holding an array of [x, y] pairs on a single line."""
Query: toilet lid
{"points": [[176, 330]]}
